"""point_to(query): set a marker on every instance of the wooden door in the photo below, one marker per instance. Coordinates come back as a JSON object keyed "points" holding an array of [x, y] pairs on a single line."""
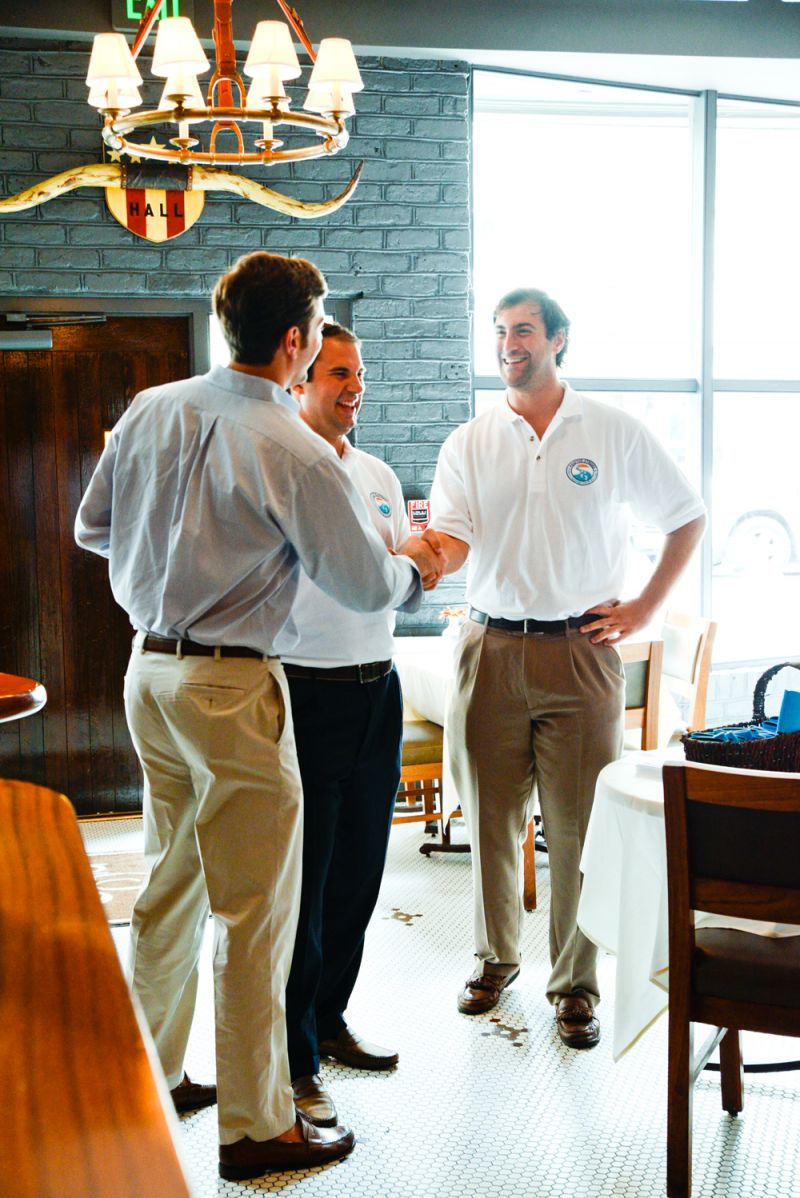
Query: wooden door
{"points": [[58, 621]]}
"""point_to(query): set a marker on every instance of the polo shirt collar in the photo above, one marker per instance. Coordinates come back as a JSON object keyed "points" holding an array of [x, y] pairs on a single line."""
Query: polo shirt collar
{"points": [[571, 407]]}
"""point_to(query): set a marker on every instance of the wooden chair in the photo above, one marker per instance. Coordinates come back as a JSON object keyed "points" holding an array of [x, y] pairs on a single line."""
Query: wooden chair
{"points": [[420, 793], [732, 839], [86, 1114], [642, 661], [688, 641]]}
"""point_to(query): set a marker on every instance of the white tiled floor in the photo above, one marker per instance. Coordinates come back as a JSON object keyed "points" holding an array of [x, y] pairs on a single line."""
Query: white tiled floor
{"points": [[495, 1105]]}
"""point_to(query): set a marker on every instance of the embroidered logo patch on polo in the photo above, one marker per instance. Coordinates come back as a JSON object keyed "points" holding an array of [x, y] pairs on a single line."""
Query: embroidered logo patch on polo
{"points": [[582, 471], [381, 503]]}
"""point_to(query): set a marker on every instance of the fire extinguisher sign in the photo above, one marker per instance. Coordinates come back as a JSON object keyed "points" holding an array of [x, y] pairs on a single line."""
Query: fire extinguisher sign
{"points": [[419, 514]]}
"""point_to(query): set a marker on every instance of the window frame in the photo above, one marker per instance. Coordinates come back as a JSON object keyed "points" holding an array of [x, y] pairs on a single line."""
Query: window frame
{"points": [[704, 120]]}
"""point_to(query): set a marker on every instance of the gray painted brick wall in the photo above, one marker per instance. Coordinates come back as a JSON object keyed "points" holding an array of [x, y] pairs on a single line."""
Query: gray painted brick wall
{"points": [[400, 248]]}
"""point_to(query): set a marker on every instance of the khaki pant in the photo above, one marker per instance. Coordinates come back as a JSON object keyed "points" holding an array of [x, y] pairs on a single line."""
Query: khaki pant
{"points": [[531, 709], [223, 830]]}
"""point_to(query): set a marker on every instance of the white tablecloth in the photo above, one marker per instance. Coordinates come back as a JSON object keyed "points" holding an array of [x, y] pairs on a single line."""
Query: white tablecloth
{"points": [[623, 905], [425, 666]]}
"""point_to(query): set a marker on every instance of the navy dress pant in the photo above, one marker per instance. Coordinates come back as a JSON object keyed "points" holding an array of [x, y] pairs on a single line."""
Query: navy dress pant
{"points": [[349, 745]]}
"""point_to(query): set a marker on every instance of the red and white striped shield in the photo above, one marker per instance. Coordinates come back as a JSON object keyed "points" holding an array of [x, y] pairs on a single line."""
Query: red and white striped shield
{"points": [[153, 213]]}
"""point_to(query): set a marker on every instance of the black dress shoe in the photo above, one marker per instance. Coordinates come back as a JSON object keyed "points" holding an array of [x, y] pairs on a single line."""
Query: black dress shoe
{"points": [[577, 1024], [318, 1146], [313, 1100], [349, 1048], [190, 1096], [482, 991]]}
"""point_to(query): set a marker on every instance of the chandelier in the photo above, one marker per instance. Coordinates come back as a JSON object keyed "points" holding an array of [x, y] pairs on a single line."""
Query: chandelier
{"points": [[220, 120]]}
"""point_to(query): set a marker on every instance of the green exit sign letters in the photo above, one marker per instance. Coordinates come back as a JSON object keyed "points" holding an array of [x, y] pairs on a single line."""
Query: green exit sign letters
{"points": [[126, 14]]}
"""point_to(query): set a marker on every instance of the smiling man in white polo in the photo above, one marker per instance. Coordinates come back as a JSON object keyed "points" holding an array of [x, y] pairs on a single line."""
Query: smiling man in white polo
{"points": [[348, 719], [535, 493]]}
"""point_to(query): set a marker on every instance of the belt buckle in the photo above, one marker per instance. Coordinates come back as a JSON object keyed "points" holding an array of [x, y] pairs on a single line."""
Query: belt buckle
{"points": [[531, 631], [361, 676]]}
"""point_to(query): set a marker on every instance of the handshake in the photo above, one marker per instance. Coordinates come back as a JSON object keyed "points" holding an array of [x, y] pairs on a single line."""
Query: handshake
{"points": [[428, 556]]}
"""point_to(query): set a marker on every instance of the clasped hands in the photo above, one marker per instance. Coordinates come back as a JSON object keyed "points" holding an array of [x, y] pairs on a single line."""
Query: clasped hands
{"points": [[428, 556]]}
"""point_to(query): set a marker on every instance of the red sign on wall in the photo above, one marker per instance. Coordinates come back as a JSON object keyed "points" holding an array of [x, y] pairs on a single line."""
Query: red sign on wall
{"points": [[419, 514]]}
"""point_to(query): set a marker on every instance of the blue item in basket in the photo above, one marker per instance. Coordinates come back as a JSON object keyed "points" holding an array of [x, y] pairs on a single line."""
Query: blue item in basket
{"points": [[789, 718], [763, 731]]}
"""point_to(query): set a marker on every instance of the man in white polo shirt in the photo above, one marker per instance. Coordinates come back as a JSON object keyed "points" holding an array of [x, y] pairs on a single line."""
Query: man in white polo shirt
{"points": [[535, 493], [347, 712]]}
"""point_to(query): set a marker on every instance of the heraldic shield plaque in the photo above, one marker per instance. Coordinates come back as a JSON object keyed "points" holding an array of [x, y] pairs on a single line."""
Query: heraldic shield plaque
{"points": [[154, 203]]}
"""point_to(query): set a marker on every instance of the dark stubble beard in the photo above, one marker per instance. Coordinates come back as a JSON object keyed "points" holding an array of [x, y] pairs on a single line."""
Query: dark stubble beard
{"points": [[523, 379]]}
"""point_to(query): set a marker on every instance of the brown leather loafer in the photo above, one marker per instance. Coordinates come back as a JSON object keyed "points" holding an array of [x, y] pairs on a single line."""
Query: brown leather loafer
{"points": [[190, 1096], [482, 991], [577, 1024], [349, 1048], [313, 1100], [318, 1146]]}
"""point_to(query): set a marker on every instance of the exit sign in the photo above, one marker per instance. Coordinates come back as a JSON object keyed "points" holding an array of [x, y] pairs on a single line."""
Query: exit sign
{"points": [[126, 14]]}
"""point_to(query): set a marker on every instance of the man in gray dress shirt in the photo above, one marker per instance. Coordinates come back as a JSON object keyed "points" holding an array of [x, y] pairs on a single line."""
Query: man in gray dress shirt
{"points": [[208, 497]]}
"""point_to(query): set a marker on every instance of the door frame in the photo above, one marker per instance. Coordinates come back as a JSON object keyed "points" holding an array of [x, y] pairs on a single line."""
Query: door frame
{"points": [[197, 311]]}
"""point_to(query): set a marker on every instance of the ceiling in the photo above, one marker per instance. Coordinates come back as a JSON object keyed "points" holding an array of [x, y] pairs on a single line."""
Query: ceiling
{"points": [[748, 48]]}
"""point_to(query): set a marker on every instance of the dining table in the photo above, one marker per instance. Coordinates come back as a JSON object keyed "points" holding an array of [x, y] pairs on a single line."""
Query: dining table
{"points": [[20, 697], [425, 667], [623, 906]]}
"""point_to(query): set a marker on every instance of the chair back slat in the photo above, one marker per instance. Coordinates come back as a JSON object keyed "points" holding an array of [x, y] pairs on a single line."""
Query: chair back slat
{"points": [[642, 662], [758, 846], [732, 841], [772, 904], [688, 641]]}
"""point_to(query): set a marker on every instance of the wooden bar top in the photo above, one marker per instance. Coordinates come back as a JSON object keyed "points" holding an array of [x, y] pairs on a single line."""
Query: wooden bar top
{"points": [[83, 1113], [20, 697]]}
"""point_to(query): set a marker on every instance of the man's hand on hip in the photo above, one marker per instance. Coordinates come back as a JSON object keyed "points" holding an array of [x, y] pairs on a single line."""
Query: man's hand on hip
{"points": [[618, 620]]}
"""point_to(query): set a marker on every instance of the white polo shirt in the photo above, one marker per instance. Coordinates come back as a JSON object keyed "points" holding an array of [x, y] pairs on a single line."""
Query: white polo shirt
{"points": [[320, 631], [547, 521]]}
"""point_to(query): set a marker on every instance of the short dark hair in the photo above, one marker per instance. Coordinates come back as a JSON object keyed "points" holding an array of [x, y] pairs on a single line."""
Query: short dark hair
{"points": [[336, 332], [553, 315], [262, 296]]}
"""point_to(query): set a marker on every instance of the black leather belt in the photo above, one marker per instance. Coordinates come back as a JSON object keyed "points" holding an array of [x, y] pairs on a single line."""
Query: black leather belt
{"points": [[533, 627], [162, 644], [369, 671]]}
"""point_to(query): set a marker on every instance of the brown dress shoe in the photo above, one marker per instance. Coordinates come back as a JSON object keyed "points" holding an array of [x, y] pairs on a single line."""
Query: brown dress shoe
{"points": [[577, 1024], [313, 1100], [349, 1048], [317, 1146], [482, 991], [190, 1096]]}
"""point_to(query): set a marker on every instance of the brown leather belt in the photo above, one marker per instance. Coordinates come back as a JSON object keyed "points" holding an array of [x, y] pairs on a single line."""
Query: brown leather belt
{"points": [[162, 644], [533, 627], [369, 671]]}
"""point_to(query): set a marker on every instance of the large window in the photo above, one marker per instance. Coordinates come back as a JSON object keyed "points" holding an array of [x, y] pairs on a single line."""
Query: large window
{"points": [[606, 197]]}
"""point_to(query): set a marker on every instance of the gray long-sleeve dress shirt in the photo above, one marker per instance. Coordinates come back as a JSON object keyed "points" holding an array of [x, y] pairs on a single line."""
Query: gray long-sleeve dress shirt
{"points": [[209, 496]]}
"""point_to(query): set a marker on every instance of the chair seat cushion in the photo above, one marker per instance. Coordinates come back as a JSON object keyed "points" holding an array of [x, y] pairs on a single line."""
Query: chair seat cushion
{"points": [[747, 968], [422, 742]]}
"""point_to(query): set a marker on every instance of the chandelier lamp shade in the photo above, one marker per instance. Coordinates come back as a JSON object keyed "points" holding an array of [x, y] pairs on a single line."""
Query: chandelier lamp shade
{"points": [[227, 110]]}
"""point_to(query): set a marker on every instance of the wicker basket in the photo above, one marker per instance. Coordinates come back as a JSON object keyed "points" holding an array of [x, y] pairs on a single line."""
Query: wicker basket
{"points": [[781, 752]]}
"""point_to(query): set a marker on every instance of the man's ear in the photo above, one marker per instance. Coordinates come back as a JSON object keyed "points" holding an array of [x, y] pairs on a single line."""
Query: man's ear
{"points": [[292, 341], [298, 391]]}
